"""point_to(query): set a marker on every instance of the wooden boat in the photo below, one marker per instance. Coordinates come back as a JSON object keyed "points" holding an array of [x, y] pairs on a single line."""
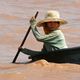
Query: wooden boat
{"points": [[69, 55]]}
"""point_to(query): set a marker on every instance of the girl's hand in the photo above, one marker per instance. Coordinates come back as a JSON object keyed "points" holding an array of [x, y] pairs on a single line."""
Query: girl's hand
{"points": [[32, 21]]}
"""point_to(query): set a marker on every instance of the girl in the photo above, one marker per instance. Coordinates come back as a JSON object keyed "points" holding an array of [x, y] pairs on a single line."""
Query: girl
{"points": [[53, 39]]}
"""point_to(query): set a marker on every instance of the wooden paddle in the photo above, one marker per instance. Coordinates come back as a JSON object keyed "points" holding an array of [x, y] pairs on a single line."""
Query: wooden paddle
{"points": [[23, 41]]}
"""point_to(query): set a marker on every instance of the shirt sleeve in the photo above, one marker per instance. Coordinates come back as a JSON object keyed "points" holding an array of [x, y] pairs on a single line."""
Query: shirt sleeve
{"points": [[43, 38]]}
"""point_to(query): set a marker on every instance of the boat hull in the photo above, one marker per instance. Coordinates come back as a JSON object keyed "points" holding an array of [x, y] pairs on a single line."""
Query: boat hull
{"points": [[69, 55]]}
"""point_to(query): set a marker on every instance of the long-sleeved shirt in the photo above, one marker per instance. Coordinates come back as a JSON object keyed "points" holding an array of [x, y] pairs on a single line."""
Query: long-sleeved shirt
{"points": [[54, 39]]}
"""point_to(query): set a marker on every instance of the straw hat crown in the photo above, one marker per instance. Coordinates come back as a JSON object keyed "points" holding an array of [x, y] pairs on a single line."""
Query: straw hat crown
{"points": [[52, 16]]}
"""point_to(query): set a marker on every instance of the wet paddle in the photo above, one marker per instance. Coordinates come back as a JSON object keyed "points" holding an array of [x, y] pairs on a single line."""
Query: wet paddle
{"points": [[23, 41]]}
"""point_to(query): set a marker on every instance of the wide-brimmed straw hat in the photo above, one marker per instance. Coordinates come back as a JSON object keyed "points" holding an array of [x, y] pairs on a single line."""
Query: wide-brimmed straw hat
{"points": [[52, 16]]}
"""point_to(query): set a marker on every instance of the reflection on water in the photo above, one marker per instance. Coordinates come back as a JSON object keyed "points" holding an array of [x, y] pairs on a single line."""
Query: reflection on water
{"points": [[14, 22]]}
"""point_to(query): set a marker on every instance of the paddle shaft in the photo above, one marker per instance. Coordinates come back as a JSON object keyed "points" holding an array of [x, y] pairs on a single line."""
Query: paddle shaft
{"points": [[23, 41]]}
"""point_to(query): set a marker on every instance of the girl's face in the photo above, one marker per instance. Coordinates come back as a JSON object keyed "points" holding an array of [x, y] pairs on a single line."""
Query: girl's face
{"points": [[50, 26]]}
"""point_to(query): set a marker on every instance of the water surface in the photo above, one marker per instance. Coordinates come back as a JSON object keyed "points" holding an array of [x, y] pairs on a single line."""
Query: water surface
{"points": [[14, 22]]}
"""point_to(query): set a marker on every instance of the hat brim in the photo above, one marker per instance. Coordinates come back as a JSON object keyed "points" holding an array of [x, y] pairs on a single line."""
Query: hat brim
{"points": [[62, 21]]}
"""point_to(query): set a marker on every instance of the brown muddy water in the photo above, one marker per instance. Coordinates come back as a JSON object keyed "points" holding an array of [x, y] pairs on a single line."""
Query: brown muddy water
{"points": [[14, 22]]}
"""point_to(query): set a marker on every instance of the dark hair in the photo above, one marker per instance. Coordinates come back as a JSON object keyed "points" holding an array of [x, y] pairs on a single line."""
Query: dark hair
{"points": [[58, 22], [45, 24]]}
